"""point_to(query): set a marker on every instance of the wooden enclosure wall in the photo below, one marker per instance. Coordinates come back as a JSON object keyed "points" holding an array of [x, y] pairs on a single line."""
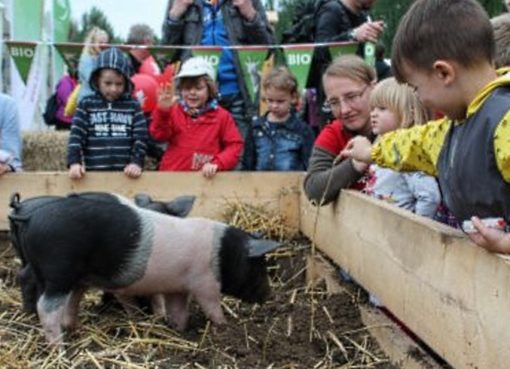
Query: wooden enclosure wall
{"points": [[451, 293], [276, 191]]}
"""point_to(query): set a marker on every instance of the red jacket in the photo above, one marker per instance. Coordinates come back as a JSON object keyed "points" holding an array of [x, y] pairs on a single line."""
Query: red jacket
{"points": [[212, 137]]}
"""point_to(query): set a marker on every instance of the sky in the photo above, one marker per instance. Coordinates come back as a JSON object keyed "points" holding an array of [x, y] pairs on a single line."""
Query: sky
{"points": [[124, 13]]}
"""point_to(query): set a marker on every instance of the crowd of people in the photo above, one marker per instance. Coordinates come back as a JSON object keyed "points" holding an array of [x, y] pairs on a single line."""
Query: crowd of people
{"points": [[442, 119]]}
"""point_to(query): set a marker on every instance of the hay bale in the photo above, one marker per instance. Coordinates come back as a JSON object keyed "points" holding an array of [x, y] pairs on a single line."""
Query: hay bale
{"points": [[45, 150]]}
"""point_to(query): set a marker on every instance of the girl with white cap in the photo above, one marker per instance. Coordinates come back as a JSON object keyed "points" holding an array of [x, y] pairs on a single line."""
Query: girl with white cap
{"points": [[201, 135]]}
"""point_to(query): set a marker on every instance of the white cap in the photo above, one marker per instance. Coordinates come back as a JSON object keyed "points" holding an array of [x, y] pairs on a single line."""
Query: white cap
{"points": [[195, 67]]}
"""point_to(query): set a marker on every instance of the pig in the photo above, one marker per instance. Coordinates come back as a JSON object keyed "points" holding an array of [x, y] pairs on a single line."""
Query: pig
{"points": [[112, 244], [30, 288]]}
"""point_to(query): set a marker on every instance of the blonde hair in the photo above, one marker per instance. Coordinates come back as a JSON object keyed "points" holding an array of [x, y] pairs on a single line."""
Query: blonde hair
{"points": [[351, 67], [281, 78], [401, 100], [501, 27], [91, 45]]}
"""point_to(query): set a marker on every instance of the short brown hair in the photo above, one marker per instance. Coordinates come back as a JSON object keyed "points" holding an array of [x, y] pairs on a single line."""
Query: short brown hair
{"points": [[457, 30], [281, 78], [501, 27], [352, 67]]}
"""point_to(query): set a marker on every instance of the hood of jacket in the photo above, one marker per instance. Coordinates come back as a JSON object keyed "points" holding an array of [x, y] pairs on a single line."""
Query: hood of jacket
{"points": [[113, 58]]}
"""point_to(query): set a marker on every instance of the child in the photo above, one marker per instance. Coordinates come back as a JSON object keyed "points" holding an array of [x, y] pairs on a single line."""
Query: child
{"points": [[108, 131], [201, 135], [281, 140], [395, 106], [444, 49], [95, 40]]}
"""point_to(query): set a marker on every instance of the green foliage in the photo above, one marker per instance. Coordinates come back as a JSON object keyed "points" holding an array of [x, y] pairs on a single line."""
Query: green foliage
{"points": [[95, 17], [390, 11]]}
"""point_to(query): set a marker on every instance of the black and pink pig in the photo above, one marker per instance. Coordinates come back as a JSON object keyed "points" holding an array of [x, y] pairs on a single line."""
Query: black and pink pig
{"points": [[78, 242], [21, 210]]}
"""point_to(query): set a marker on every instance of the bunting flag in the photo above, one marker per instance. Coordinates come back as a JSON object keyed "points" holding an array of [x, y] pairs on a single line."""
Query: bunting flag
{"points": [[70, 52], [211, 54], [342, 49], [299, 61], [22, 54], [61, 27], [163, 55], [252, 60]]}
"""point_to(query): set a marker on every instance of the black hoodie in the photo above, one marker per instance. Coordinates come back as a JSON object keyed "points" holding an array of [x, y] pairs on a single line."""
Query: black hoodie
{"points": [[108, 135]]}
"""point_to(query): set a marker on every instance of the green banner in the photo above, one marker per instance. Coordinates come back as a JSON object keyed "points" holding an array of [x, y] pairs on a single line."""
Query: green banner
{"points": [[211, 54], [163, 55], [61, 27], [252, 60], [299, 60], [342, 49], [27, 19], [23, 55], [70, 53]]}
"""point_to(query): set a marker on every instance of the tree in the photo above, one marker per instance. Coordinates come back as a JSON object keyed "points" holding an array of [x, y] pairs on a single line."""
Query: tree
{"points": [[95, 17]]}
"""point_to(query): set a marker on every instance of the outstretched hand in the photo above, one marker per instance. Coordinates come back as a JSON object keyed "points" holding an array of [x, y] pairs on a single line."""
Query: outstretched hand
{"points": [[359, 148], [491, 239], [166, 96]]}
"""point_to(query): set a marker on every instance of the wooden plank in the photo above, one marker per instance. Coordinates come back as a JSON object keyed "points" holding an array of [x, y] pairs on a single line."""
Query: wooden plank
{"points": [[400, 348], [276, 191], [451, 293]]}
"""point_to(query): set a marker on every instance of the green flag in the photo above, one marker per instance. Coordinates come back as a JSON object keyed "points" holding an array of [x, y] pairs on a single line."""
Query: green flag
{"points": [[252, 59], [299, 60], [27, 19], [163, 54], [211, 54], [23, 54], [342, 48], [61, 27], [70, 52]]}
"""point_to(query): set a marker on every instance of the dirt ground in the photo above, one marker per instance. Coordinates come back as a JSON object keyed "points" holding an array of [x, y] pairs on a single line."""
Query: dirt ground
{"points": [[297, 328]]}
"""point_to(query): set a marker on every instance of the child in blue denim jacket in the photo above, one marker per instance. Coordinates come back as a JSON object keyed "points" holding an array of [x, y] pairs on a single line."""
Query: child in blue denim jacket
{"points": [[281, 141]]}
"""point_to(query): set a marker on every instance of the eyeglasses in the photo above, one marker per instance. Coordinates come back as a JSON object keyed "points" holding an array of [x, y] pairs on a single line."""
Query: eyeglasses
{"points": [[350, 99]]}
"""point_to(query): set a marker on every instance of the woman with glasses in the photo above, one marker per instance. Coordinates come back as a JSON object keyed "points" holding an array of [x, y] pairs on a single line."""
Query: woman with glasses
{"points": [[348, 82]]}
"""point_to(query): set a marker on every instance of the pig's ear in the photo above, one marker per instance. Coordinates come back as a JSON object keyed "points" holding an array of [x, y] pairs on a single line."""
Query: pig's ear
{"points": [[260, 247], [142, 200], [180, 206]]}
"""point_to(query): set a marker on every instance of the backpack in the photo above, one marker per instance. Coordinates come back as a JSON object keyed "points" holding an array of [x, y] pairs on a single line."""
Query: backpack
{"points": [[50, 111], [302, 29]]}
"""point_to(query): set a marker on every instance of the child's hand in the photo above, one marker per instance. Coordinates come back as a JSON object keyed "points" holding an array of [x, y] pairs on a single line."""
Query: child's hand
{"points": [[76, 171], [166, 96], [359, 148], [493, 240], [133, 170], [209, 170]]}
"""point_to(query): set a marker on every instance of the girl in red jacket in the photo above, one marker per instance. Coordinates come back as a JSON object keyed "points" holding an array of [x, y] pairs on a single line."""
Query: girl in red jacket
{"points": [[201, 135]]}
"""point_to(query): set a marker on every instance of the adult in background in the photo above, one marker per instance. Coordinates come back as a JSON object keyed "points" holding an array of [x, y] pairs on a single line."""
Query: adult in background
{"points": [[10, 136], [222, 23], [342, 20], [348, 82], [143, 35], [94, 42]]}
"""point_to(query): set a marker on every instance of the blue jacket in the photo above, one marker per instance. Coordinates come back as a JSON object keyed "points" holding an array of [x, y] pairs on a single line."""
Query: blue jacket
{"points": [[108, 135], [287, 147]]}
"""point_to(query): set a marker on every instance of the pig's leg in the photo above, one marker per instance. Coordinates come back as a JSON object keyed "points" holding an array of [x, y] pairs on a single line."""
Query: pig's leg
{"points": [[50, 308], [128, 303], [177, 310], [70, 317], [208, 296], [158, 305]]}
